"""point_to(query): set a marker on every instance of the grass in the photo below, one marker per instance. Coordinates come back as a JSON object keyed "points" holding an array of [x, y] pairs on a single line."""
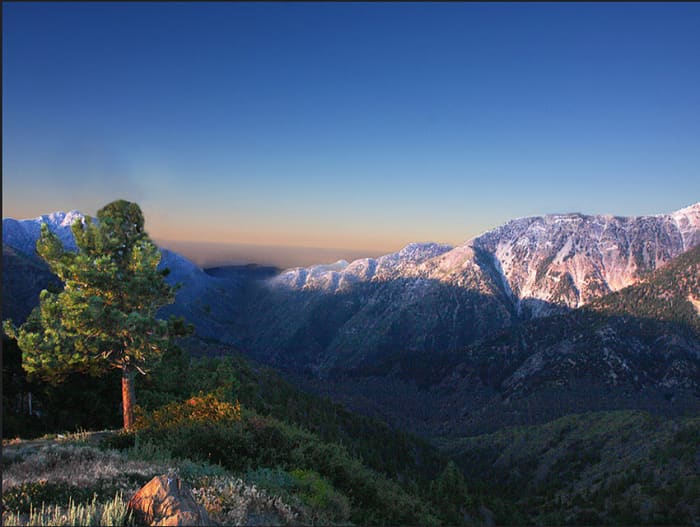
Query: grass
{"points": [[69, 482], [74, 464], [111, 512]]}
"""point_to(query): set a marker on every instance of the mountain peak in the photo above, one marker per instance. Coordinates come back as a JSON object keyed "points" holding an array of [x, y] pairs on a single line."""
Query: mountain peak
{"points": [[690, 209], [688, 223], [60, 218]]}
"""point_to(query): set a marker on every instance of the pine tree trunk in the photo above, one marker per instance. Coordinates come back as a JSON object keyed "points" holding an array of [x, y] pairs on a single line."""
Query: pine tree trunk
{"points": [[128, 397]]}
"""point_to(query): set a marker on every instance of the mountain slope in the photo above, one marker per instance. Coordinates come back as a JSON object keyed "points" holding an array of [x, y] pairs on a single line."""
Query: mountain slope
{"points": [[430, 297], [23, 278], [426, 297], [206, 301], [638, 348], [602, 468]]}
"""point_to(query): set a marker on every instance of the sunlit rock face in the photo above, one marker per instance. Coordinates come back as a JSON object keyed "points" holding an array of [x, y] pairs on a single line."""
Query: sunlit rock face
{"points": [[570, 259], [561, 259]]}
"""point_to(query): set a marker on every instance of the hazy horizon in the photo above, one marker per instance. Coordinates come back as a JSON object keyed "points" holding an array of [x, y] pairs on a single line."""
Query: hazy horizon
{"points": [[208, 254]]}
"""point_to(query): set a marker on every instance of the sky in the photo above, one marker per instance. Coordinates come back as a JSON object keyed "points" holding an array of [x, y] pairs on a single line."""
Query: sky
{"points": [[348, 128]]}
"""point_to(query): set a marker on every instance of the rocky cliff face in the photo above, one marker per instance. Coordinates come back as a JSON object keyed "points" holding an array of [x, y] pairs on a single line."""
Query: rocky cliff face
{"points": [[572, 259], [565, 259]]}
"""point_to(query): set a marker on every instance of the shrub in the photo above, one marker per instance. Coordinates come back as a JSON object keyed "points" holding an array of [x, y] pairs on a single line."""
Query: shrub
{"points": [[273, 480], [192, 471], [199, 409], [230, 501], [326, 504], [257, 441]]}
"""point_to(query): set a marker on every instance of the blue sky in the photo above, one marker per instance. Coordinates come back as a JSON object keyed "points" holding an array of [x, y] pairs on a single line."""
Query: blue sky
{"points": [[358, 126]]}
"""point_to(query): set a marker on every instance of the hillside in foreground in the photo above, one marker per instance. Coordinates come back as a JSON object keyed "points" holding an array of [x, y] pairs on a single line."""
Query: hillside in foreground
{"points": [[229, 419]]}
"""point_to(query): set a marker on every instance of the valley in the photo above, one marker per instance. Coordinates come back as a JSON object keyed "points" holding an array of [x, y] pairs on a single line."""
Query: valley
{"points": [[548, 328]]}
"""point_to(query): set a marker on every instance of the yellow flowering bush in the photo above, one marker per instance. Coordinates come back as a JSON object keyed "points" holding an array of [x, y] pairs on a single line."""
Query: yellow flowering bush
{"points": [[199, 409]]}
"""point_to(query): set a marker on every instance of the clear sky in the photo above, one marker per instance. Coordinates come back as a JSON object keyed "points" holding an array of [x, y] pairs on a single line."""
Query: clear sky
{"points": [[356, 126]]}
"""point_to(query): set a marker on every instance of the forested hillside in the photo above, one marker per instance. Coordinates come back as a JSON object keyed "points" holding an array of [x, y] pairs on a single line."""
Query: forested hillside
{"points": [[606, 468]]}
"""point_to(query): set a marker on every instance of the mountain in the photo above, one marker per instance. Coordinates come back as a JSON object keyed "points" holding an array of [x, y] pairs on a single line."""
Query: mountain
{"points": [[206, 301], [638, 348], [430, 297], [23, 278], [22, 235]]}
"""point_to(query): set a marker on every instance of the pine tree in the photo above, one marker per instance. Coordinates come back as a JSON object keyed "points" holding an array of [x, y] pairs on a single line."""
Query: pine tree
{"points": [[106, 314]]}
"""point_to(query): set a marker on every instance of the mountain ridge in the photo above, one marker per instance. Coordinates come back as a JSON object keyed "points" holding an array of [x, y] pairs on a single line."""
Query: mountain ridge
{"points": [[527, 268], [635, 349], [425, 297], [686, 222]]}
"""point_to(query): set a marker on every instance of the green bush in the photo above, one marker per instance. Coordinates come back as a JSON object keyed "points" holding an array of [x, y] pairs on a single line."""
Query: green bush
{"points": [[273, 480], [328, 505], [193, 471], [308, 491]]}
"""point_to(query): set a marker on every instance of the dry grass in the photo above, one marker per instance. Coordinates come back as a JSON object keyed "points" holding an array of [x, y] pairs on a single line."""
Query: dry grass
{"points": [[113, 512], [78, 465]]}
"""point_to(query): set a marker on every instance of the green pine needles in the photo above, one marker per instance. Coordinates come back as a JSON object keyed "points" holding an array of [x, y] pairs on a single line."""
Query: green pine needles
{"points": [[106, 314]]}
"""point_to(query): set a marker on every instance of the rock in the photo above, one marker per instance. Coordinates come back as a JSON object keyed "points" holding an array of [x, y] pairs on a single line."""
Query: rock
{"points": [[167, 501]]}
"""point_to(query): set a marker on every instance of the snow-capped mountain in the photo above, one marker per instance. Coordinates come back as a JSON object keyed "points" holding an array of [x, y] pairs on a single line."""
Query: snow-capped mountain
{"points": [[427, 296], [205, 301], [638, 348], [559, 259], [430, 296], [340, 275], [571, 259], [22, 235], [687, 221]]}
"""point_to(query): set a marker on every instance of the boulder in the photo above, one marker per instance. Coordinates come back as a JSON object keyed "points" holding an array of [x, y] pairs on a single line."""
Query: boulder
{"points": [[167, 501]]}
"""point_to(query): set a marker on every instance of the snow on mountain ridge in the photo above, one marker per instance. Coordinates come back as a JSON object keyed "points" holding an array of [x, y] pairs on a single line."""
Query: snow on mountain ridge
{"points": [[22, 236], [571, 259], [555, 259], [688, 222], [337, 276]]}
